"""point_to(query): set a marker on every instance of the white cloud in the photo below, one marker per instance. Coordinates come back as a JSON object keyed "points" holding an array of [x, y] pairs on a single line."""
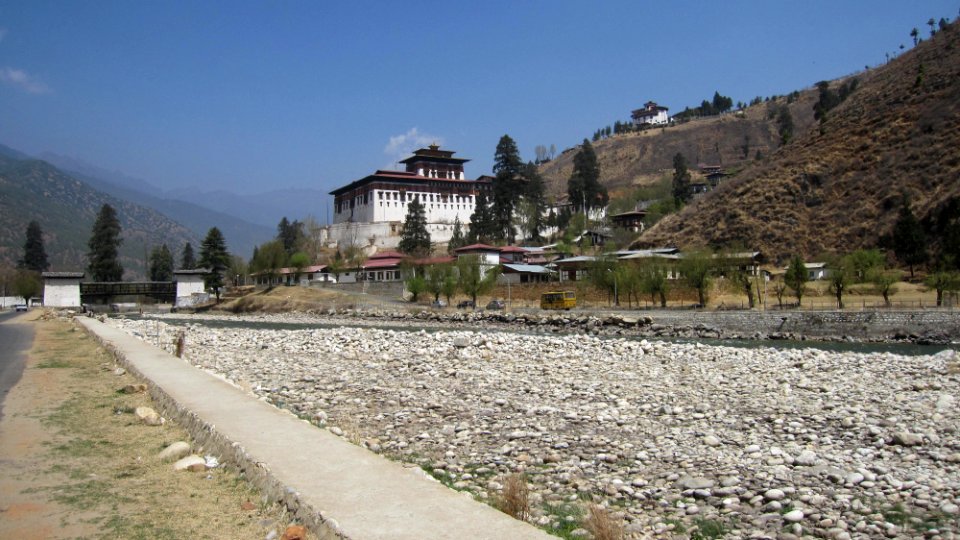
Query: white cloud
{"points": [[22, 79], [403, 145]]}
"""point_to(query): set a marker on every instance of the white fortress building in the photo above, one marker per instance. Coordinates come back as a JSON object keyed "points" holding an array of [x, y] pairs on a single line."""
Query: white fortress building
{"points": [[371, 210], [651, 114]]}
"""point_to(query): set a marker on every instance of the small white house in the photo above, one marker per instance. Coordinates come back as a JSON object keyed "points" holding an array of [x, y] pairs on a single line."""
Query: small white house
{"points": [[488, 256], [190, 287], [61, 289], [817, 271]]}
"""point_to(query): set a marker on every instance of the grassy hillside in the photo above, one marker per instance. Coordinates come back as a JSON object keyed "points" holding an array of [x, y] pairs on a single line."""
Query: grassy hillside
{"points": [[837, 188], [66, 209]]}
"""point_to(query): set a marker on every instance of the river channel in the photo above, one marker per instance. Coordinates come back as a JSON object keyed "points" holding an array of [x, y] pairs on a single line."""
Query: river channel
{"points": [[906, 349]]}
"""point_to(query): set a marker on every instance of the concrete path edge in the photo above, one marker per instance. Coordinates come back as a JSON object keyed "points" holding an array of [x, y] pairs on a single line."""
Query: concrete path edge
{"points": [[410, 505]]}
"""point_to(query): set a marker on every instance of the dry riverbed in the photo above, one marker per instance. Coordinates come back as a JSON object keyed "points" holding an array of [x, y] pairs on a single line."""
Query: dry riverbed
{"points": [[675, 439]]}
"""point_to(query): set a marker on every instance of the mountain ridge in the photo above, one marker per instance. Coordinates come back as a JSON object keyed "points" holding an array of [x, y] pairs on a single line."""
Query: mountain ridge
{"points": [[837, 188], [66, 209]]}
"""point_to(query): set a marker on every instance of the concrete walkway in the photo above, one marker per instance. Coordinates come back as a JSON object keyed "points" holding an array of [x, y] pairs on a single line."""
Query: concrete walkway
{"points": [[337, 489]]}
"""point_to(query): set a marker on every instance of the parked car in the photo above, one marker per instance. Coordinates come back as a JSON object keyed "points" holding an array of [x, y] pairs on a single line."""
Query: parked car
{"points": [[20, 307], [466, 304], [496, 304], [439, 304]]}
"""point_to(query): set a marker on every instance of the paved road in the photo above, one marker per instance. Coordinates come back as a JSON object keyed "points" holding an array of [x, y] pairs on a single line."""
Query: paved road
{"points": [[15, 341]]}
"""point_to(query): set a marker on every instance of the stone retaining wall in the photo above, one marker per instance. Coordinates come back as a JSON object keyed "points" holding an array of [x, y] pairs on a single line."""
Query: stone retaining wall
{"points": [[859, 324]]}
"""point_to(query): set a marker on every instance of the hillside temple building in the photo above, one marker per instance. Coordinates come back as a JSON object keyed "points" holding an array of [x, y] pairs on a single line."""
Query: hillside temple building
{"points": [[371, 211]]}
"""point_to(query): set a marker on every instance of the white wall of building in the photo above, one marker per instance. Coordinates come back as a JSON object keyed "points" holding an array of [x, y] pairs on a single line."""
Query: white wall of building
{"points": [[61, 292], [386, 205], [381, 235], [8, 301]]}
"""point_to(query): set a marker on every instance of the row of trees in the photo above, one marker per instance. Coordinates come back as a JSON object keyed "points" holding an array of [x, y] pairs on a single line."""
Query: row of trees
{"points": [[699, 270], [718, 105], [466, 276], [103, 257]]}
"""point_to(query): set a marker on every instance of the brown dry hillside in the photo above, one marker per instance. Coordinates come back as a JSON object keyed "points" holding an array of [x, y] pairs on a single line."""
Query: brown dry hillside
{"points": [[641, 158], [839, 190]]}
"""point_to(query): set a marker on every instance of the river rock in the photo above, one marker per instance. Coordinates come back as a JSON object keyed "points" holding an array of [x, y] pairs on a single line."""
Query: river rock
{"points": [[175, 451], [192, 462]]}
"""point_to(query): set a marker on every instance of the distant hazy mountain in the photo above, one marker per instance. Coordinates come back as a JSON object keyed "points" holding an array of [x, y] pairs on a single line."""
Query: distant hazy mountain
{"points": [[264, 208], [192, 211], [78, 166], [66, 208]]}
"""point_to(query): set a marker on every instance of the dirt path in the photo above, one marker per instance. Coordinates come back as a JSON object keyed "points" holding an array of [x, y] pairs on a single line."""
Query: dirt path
{"points": [[75, 463]]}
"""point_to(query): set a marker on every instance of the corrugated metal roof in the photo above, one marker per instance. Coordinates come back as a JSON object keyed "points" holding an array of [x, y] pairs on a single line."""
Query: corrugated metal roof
{"points": [[528, 268]]}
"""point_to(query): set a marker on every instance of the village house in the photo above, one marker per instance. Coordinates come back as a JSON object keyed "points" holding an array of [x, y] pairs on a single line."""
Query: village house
{"points": [[651, 114], [629, 221]]}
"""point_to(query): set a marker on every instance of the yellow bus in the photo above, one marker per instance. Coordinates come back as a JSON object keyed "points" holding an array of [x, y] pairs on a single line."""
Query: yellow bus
{"points": [[558, 300]]}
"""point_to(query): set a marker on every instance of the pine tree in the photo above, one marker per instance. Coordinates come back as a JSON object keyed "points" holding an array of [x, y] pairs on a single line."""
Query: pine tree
{"points": [[456, 239], [104, 246], [214, 257], [290, 234], [682, 193], [161, 264], [416, 238], [507, 186], [796, 277], [909, 240], [534, 196], [34, 254], [583, 187], [482, 224], [187, 260], [784, 125]]}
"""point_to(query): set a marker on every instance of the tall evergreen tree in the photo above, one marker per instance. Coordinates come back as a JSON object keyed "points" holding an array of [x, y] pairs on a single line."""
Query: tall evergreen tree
{"points": [[214, 257], [482, 224], [507, 186], [187, 259], [583, 187], [909, 240], [457, 239], [161, 264], [104, 246], [784, 125], [534, 195], [34, 254], [796, 277], [415, 239], [290, 233], [682, 193]]}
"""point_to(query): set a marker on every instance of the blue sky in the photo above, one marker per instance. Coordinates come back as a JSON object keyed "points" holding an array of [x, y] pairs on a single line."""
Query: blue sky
{"points": [[255, 96]]}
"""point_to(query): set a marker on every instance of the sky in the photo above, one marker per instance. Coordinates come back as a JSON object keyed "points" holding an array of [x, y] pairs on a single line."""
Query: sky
{"points": [[255, 96]]}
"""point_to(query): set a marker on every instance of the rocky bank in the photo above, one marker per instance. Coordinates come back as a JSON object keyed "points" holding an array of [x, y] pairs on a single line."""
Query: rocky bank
{"points": [[675, 439]]}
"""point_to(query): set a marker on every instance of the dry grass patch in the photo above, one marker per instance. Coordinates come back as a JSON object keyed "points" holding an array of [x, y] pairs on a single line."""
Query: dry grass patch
{"points": [[105, 464], [601, 525], [515, 498]]}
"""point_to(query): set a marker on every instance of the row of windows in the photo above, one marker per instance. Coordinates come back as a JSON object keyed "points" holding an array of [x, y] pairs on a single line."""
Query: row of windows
{"points": [[424, 197], [440, 206]]}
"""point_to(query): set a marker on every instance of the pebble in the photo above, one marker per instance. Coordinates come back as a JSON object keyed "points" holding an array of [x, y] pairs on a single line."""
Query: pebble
{"points": [[793, 516], [646, 427]]}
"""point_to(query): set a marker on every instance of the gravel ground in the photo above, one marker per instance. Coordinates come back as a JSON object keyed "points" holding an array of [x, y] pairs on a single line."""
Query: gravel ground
{"points": [[675, 439]]}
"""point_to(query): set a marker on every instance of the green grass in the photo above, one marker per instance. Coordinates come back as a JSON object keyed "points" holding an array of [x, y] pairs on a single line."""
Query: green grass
{"points": [[708, 529], [83, 447], [53, 364], [564, 526]]}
